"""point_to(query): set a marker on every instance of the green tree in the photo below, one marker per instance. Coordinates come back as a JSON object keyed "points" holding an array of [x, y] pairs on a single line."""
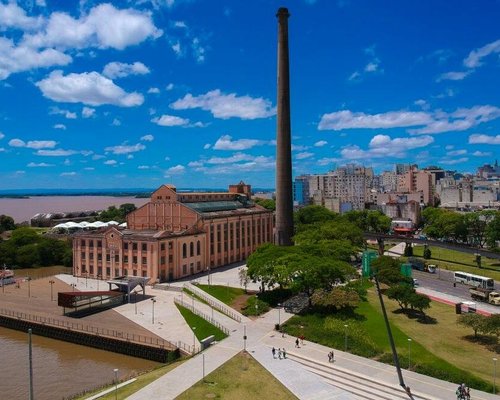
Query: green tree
{"points": [[493, 231], [27, 256], [268, 204], [261, 263], [401, 293], [23, 236], [369, 221], [6, 223], [419, 302], [492, 325], [313, 214], [388, 271], [427, 253], [337, 298], [330, 230], [476, 322]]}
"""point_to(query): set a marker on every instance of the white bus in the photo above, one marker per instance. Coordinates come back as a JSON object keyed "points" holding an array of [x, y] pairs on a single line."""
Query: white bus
{"points": [[474, 280]]}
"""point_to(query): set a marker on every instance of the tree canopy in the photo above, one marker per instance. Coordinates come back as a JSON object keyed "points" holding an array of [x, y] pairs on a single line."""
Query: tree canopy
{"points": [[116, 214], [6, 223]]}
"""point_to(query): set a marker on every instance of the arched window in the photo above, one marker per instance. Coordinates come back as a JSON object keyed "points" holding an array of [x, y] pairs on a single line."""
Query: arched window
{"points": [[198, 248], [184, 250], [191, 249]]}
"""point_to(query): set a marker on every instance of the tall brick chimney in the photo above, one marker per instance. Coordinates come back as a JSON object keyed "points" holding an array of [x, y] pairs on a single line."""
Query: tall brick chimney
{"points": [[284, 194]]}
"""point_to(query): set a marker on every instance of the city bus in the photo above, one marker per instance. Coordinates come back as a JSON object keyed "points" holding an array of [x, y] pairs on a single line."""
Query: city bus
{"points": [[474, 280]]}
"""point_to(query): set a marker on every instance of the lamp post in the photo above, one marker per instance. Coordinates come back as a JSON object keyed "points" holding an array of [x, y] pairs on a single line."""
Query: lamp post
{"points": [[194, 338], [409, 353], [86, 278], [153, 301], [256, 305], [345, 337], [279, 314], [30, 359], [135, 302], [494, 375], [51, 289], [208, 269], [244, 338], [116, 382], [29, 286]]}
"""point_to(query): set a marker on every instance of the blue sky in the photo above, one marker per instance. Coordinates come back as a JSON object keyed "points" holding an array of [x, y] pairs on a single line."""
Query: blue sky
{"points": [[141, 93]]}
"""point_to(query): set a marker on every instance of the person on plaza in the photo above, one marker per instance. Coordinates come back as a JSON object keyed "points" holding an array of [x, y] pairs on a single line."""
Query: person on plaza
{"points": [[330, 357], [302, 339], [284, 353], [297, 342], [467, 393], [279, 353], [333, 356], [274, 352]]}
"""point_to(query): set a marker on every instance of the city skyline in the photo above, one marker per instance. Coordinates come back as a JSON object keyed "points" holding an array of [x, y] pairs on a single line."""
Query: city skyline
{"points": [[185, 91]]}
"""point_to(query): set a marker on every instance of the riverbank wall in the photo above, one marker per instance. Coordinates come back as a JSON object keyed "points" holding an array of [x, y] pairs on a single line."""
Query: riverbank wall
{"points": [[111, 340]]}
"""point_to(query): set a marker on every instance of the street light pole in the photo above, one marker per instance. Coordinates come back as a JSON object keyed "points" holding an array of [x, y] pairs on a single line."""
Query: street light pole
{"points": [[203, 360], [409, 354], [29, 286], [116, 382], [153, 301], [194, 338], [30, 356], [208, 276], [244, 338], [135, 302], [494, 375], [51, 289], [345, 337], [279, 314]]}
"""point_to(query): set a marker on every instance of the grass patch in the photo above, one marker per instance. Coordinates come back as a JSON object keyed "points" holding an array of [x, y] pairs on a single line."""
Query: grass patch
{"points": [[436, 350], [255, 306], [192, 294], [457, 261], [142, 381], [225, 294], [203, 328], [241, 378]]}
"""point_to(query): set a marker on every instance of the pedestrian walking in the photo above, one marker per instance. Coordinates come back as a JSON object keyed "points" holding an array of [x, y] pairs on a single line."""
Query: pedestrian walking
{"points": [[329, 357], [279, 353], [297, 342], [284, 353], [274, 352], [333, 356], [302, 339]]}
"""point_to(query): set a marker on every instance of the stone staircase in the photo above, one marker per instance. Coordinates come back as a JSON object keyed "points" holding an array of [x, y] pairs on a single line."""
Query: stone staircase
{"points": [[363, 387]]}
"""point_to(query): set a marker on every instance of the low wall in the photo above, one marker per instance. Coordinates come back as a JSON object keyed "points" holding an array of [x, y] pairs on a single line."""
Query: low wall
{"points": [[153, 353]]}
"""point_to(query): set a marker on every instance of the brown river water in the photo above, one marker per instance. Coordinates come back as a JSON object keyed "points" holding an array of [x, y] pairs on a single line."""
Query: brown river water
{"points": [[60, 369], [23, 209]]}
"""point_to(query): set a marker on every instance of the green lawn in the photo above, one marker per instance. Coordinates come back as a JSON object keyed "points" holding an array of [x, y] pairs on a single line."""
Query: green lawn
{"points": [[241, 378], [367, 337], [457, 261], [203, 328], [142, 381], [225, 294]]}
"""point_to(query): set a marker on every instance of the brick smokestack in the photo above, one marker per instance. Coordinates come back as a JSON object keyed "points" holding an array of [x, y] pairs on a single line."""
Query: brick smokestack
{"points": [[284, 195]]}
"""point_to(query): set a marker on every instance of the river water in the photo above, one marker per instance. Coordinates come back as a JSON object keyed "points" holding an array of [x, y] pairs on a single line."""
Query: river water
{"points": [[60, 369]]}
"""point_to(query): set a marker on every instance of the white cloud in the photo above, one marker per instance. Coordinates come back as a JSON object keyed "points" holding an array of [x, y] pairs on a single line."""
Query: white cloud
{"points": [[226, 106], [474, 58], [110, 162], [89, 168], [68, 174], [120, 70], [13, 16], [437, 122], [169, 87], [153, 90], [147, 138], [178, 169], [422, 104], [482, 154], [88, 112], [226, 143], [207, 146], [453, 162], [67, 162], [303, 155], [354, 76], [143, 167], [1, 135], [125, 149], [320, 143], [170, 120], [103, 27], [484, 139], [24, 58], [56, 153], [33, 144], [60, 126], [237, 157], [251, 164], [449, 147], [456, 152], [58, 111], [88, 88], [327, 161], [116, 122], [385, 146], [394, 119], [39, 165], [454, 75], [295, 147], [194, 164]]}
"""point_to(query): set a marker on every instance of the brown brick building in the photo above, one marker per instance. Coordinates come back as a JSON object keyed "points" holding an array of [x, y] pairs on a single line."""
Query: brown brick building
{"points": [[176, 235]]}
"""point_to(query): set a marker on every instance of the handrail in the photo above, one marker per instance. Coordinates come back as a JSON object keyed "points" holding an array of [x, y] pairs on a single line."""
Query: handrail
{"points": [[85, 328], [201, 314], [213, 302]]}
